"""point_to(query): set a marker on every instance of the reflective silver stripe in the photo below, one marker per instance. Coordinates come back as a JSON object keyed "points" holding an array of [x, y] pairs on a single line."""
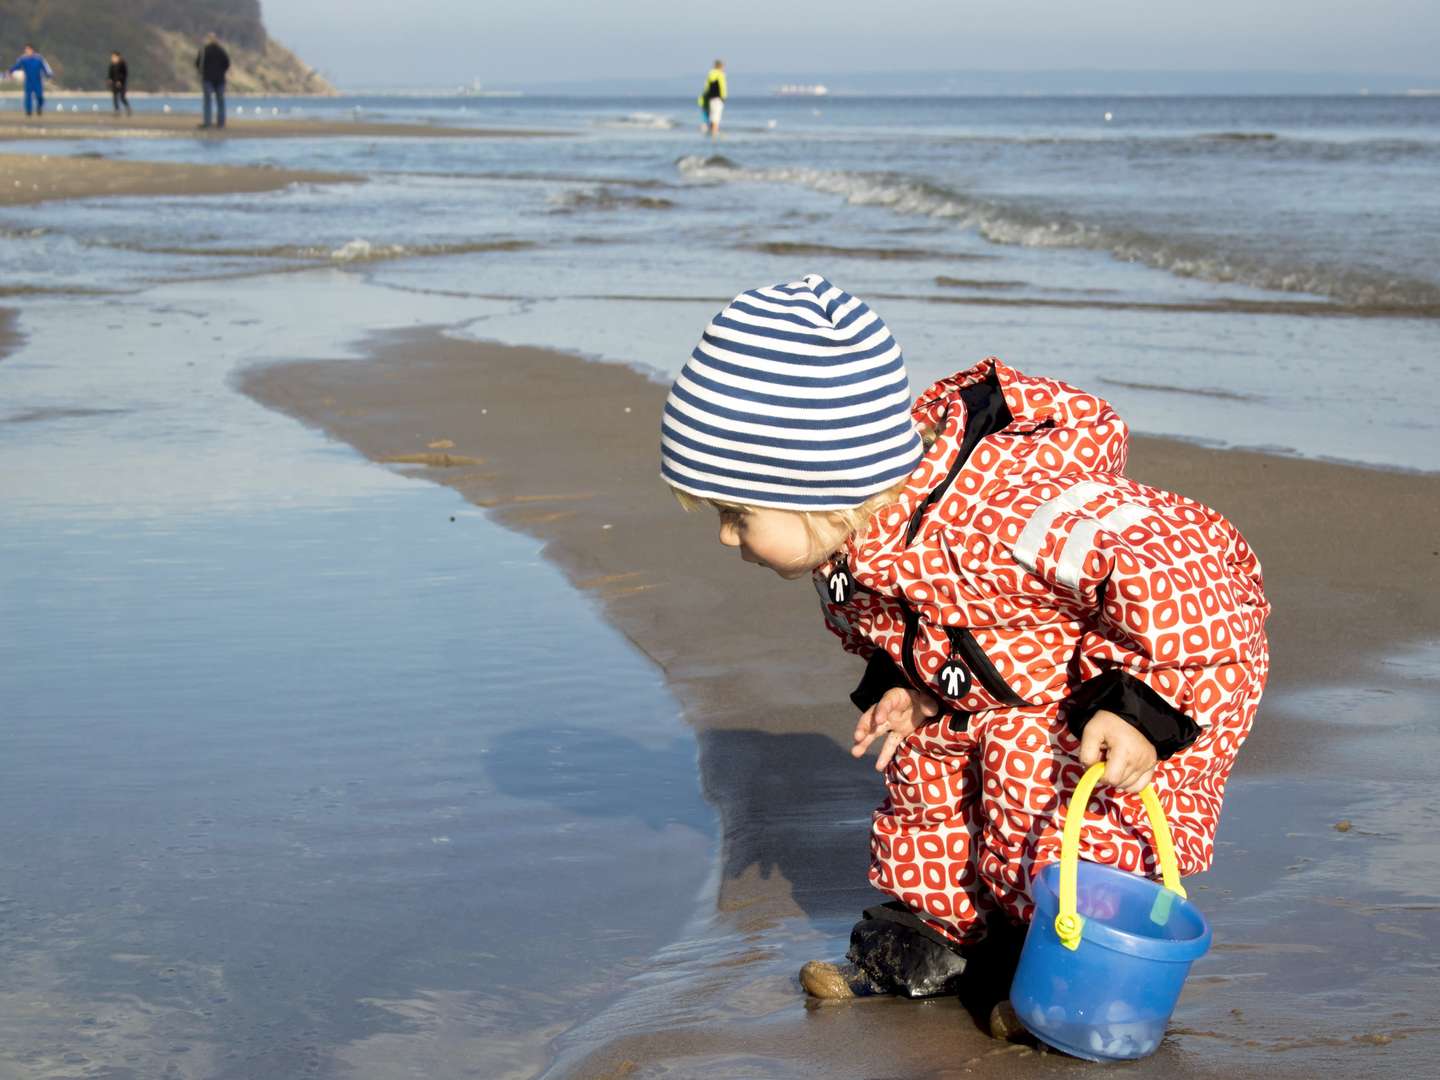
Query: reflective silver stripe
{"points": [[1081, 540], [1032, 537], [1078, 545], [1128, 514]]}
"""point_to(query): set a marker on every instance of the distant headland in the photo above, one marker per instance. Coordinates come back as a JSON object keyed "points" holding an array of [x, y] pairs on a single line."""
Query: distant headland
{"points": [[159, 40]]}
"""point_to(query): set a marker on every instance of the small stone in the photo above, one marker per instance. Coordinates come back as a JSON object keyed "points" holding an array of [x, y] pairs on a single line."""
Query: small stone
{"points": [[824, 981], [1342, 825], [1005, 1025]]}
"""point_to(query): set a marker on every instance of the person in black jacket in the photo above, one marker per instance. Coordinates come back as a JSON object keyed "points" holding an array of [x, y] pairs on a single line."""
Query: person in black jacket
{"points": [[212, 63], [119, 77]]}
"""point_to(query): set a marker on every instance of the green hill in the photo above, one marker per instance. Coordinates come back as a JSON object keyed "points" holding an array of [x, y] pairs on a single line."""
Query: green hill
{"points": [[159, 40]]}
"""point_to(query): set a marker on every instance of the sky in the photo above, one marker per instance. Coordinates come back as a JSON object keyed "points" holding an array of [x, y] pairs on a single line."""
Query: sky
{"points": [[504, 43]]}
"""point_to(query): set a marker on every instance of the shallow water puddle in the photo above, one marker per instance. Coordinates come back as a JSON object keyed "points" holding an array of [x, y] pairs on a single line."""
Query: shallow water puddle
{"points": [[309, 768]]}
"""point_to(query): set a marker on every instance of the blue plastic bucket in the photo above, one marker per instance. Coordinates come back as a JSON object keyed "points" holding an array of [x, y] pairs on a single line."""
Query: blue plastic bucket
{"points": [[1100, 980]]}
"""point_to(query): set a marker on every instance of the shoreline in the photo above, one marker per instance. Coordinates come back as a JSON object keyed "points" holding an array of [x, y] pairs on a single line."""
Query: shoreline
{"points": [[105, 123], [563, 449], [31, 178]]}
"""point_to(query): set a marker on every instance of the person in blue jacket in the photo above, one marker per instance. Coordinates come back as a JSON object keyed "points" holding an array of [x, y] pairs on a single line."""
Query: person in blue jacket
{"points": [[35, 70]]}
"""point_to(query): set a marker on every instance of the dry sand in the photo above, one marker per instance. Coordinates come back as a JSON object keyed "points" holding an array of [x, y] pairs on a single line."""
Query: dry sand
{"points": [[566, 450], [32, 178], [105, 124]]}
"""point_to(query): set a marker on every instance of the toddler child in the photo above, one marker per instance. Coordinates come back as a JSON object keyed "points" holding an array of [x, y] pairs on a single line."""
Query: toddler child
{"points": [[1024, 608]]}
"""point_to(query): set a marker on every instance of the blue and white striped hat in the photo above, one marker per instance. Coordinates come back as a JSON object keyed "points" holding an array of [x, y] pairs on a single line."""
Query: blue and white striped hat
{"points": [[796, 398]]}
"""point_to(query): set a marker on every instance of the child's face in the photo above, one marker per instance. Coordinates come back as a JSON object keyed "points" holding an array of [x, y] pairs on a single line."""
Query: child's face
{"points": [[777, 539]]}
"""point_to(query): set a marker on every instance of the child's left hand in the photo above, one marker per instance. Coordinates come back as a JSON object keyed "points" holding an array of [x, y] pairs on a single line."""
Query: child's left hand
{"points": [[1128, 755], [898, 713]]}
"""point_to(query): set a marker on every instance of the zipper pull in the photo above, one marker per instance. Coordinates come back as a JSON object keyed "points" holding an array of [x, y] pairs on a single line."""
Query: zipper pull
{"points": [[954, 678], [840, 585]]}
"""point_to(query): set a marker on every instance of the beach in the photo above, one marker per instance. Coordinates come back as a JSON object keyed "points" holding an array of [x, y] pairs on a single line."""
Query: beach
{"points": [[39, 178], [770, 711], [377, 709], [101, 123]]}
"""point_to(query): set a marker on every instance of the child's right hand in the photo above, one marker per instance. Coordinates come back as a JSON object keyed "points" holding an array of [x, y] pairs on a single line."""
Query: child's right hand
{"points": [[895, 716]]}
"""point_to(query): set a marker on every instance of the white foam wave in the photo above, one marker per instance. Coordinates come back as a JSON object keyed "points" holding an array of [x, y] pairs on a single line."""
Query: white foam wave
{"points": [[1011, 225], [359, 249], [644, 120]]}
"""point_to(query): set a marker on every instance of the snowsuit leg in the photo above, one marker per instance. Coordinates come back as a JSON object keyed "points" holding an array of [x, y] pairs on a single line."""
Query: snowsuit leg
{"points": [[923, 837], [969, 818]]}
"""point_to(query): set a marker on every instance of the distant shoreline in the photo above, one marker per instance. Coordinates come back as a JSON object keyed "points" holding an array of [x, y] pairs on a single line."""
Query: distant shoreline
{"points": [[11, 89], [104, 123]]}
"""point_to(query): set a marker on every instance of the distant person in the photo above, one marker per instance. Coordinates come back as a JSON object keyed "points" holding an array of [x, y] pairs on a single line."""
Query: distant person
{"points": [[712, 98], [33, 68], [212, 63], [119, 78]]}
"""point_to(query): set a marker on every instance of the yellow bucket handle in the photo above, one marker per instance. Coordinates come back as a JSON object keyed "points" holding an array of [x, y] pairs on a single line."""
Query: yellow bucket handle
{"points": [[1069, 922]]}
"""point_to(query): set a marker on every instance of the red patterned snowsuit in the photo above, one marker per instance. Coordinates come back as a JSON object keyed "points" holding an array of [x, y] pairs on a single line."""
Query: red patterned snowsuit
{"points": [[1023, 582]]}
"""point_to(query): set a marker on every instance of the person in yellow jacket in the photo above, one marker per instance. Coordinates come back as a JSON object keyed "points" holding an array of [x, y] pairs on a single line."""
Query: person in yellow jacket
{"points": [[712, 98]]}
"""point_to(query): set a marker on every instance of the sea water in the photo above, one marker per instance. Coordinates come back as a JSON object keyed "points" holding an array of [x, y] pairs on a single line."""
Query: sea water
{"points": [[1256, 272]]}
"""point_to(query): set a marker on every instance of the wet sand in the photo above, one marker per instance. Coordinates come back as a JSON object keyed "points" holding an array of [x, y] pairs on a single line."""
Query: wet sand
{"points": [[9, 336], [105, 124], [29, 178], [1325, 937]]}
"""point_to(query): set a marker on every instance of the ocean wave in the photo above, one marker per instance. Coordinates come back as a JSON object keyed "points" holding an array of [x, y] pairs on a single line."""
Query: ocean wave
{"points": [[526, 176], [1083, 299], [606, 199], [1017, 226], [945, 281], [643, 120], [360, 250], [356, 250], [1239, 136], [1194, 391], [906, 254], [691, 165]]}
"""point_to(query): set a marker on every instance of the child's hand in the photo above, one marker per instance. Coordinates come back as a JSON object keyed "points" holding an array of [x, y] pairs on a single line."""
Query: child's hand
{"points": [[894, 716], [1128, 755]]}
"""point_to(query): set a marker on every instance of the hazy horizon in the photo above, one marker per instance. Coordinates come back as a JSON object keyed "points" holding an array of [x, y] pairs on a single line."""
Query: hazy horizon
{"points": [[546, 42], [970, 83]]}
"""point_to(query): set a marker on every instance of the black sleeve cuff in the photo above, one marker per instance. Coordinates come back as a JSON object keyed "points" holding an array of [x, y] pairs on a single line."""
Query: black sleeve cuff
{"points": [[881, 674], [1165, 726]]}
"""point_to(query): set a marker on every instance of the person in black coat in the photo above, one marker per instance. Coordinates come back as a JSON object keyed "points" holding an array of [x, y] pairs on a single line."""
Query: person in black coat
{"points": [[212, 63], [119, 77]]}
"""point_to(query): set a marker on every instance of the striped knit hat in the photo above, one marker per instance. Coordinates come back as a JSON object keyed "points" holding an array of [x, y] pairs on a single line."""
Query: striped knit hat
{"points": [[796, 398]]}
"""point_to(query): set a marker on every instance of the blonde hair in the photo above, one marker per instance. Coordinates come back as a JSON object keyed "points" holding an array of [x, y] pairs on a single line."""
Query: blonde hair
{"points": [[821, 526]]}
